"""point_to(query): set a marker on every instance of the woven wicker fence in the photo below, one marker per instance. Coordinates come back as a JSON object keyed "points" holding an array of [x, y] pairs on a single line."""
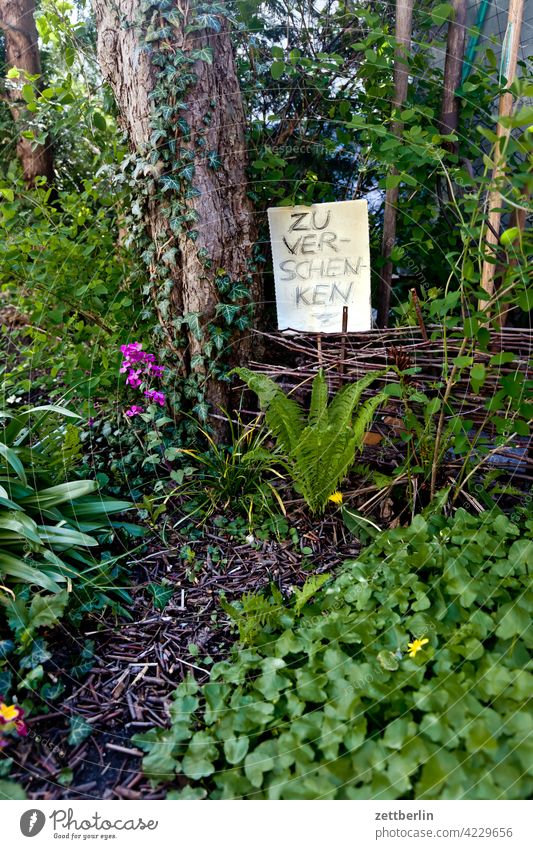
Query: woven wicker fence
{"points": [[294, 359]]}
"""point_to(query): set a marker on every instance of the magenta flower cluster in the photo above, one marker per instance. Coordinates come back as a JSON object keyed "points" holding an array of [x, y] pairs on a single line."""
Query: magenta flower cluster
{"points": [[141, 368]]}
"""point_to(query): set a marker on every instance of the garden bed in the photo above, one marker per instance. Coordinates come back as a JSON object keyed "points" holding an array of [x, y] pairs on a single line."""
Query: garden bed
{"points": [[138, 662]]}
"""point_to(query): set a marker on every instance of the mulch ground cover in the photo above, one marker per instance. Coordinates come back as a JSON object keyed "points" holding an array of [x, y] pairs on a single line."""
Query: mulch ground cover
{"points": [[138, 662]]}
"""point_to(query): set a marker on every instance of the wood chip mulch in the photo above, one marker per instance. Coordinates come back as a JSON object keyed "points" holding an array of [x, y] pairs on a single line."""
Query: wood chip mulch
{"points": [[138, 662]]}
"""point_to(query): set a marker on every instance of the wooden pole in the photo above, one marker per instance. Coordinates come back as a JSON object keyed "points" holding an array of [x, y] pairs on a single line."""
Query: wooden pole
{"points": [[519, 220], [404, 25], [343, 340], [510, 48], [455, 50], [419, 316]]}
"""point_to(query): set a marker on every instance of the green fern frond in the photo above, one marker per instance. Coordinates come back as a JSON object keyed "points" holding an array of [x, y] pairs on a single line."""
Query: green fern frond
{"points": [[320, 451], [284, 416], [365, 416], [346, 400], [309, 589], [254, 614], [319, 399]]}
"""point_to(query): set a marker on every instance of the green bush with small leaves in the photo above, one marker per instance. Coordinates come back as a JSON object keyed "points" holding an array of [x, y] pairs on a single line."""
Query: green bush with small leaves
{"points": [[328, 703]]}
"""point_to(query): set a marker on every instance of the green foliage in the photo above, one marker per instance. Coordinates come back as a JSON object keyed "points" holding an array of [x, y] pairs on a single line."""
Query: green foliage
{"points": [[254, 614], [236, 478], [330, 705], [319, 448], [61, 268], [257, 615], [44, 529], [436, 430], [9, 790], [80, 730], [161, 594]]}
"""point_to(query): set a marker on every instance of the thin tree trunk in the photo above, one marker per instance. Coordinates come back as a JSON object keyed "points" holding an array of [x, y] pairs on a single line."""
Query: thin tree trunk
{"points": [[494, 202], [455, 49], [404, 25], [17, 20], [218, 203]]}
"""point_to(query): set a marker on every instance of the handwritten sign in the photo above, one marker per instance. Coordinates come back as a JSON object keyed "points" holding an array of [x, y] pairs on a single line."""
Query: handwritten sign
{"points": [[321, 258]]}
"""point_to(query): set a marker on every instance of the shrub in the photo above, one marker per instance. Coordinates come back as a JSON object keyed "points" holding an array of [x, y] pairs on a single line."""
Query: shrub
{"points": [[330, 703]]}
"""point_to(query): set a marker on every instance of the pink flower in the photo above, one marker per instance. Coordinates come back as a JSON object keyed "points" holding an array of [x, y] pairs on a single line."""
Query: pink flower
{"points": [[156, 397], [131, 348], [157, 370], [133, 378], [134, 410]]}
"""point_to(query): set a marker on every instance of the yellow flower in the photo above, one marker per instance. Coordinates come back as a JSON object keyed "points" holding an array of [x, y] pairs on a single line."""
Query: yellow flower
{"points": [[8, 712], [336, 497], [415, 646]]}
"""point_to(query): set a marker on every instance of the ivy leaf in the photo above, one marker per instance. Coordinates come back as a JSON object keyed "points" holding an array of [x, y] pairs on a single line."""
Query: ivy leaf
{"points": [[213, 159], [239, 291], [242, 322], [202, 410], [203, 54], [192, 320], [187, 173], [207, 21], [219, 337], [228, 312], [170, 183], [161, 595], [6, 647], [80, 730], [39, 654]]}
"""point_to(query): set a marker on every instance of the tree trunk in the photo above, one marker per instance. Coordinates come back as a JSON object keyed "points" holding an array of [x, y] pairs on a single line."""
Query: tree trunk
{"points": [[455, 49], [505, 110], [17, 20], [176, 88], [404, 26]]}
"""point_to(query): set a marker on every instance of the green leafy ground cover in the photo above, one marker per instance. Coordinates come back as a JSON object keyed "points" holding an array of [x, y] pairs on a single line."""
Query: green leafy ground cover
{"points": [[328, 703]]}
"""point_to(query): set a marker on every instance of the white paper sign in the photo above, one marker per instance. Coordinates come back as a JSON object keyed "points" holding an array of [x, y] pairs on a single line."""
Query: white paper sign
{"points": [[321, 258]]}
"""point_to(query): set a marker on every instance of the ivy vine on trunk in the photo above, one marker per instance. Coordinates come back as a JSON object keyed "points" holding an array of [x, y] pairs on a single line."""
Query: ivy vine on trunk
{"points": [[172, 70]]}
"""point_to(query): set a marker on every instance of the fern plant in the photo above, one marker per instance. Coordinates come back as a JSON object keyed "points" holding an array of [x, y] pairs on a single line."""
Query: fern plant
{"points": [[320, 448], [258, 614]]}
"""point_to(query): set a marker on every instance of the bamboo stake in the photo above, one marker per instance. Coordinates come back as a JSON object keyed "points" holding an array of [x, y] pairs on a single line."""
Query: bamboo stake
{"points": [[404, 25], [455, 49], [510, 48]]}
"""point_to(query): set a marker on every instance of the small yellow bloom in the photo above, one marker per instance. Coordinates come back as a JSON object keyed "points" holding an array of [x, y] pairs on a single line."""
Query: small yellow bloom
{"points": [[8, 712], [336, 497], [415, 646]]}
